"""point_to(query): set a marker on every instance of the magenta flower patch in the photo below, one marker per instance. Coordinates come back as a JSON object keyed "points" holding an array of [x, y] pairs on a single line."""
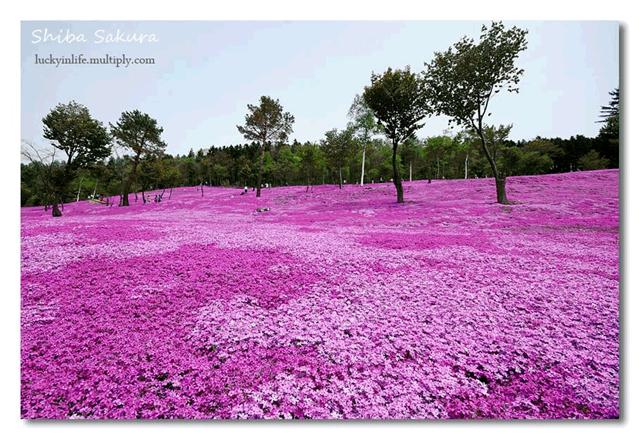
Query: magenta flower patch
{"points": [[331, 304]]}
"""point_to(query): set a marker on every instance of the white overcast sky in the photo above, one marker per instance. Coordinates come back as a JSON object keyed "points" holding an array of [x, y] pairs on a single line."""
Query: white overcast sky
{"points": [[207, 72]]}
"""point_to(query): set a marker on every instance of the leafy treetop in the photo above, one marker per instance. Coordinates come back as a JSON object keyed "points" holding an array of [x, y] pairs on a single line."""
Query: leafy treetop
{"points": [[461, 80], [72, 130]]}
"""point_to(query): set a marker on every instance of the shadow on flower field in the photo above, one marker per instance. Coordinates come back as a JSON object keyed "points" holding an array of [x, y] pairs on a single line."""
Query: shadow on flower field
{"points": [[332, 304]]}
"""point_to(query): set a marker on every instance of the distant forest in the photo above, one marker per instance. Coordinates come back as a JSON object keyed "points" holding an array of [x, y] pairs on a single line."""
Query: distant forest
{"points": [[310, 163]]}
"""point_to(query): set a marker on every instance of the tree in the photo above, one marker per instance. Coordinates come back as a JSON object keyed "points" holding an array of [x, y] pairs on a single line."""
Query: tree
{"points": [[437, 149], [592, 161], [611, 112], [46, 173], [84, 141], [398, 102], [311, 162], [364, 125], [609, 136], [286, 165], [139, 133], [410, 152], [462, 80], [338, 146], [265, 123]]}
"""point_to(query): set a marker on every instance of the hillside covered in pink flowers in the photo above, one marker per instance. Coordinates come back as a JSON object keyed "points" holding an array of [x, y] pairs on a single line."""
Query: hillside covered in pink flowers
{"points": [[332, 304]]}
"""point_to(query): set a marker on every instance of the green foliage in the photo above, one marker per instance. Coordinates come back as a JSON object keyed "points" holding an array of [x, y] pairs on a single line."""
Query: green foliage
{"points": [[71, 129], [398, 101], [436, 157], [592, 161], [610, 131], [139, 133], [461, 81], [267, 122], [338, 147], [363, 120]]}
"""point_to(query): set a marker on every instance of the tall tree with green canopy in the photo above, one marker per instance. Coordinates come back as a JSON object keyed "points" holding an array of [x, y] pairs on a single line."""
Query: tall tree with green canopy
{"points": [[399, 103], [462, 80], [364, 124], [139, 133], [338, 147], [83, 139], [265, 123], [612, 110], [610, 131]]}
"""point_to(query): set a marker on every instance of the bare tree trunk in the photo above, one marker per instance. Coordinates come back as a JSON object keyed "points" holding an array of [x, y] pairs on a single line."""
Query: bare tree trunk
{"points": [[340, 177], [79, 186], [466, 166], [364, 152], [259, 180], [410, 171], [396, 176], [501, 182], [127, 185], [55, 211], [201, 190], [170, 192]]}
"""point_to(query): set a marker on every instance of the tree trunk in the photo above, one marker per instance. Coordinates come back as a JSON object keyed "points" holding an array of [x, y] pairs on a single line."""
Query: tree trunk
{"points": [[466, 166], [55, 211], [364, 152], [501, 182], [144, 199], [396, 176], [340, 177], [127, 184], [170, 192], [259, 180], [79, 186], [501, 190], [410, 171]]}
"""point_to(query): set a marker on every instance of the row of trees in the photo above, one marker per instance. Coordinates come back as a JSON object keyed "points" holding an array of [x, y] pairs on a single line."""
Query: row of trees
{"points": [[379, 142], [86, 143], [448, 156], [458, 83]]}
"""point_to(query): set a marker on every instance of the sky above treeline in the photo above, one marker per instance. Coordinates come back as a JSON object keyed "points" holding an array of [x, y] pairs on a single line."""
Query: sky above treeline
{"points": [[205, 73]]}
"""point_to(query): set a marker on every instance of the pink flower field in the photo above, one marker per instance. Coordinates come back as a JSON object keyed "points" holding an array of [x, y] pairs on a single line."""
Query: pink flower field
{"points": [[332, 304]]}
